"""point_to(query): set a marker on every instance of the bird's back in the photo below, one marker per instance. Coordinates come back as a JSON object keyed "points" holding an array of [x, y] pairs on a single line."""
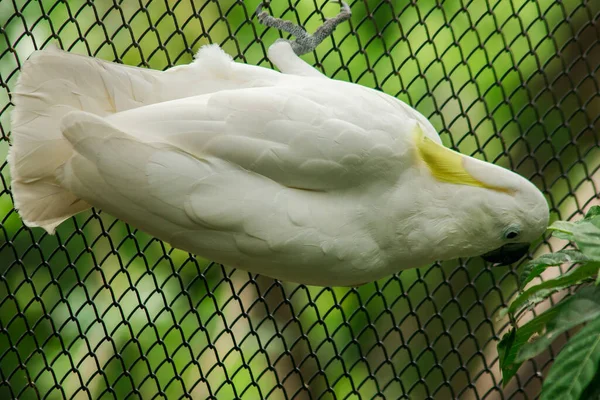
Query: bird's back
{"points": [[248, 166]]}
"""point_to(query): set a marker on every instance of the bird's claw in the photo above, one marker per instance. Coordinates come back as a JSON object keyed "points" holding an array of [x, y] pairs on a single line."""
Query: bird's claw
{"points": [[304, 42], [259, 9]]}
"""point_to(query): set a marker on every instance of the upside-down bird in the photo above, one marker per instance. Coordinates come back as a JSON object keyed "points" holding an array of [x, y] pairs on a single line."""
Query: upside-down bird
{"points": [[288, 174]]}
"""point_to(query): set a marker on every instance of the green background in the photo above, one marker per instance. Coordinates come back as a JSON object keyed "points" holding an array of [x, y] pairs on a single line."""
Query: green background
{"points": [[103, 311]]}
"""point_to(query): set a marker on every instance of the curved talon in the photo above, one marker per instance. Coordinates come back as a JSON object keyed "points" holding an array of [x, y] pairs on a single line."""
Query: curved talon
{"points": [[343, 6], [260, 7], [346, 7]]}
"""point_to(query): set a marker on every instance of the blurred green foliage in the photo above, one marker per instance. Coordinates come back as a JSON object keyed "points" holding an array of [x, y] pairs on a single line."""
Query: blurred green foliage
{"points": [[102, 311]]}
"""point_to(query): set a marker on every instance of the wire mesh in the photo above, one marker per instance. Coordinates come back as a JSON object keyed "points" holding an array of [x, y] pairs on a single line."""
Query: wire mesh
{"points": [[101, 310]]}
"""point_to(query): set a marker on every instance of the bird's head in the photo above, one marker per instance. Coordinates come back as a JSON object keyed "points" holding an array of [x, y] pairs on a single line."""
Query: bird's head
{"points": [[514, 212], [498, 213]]}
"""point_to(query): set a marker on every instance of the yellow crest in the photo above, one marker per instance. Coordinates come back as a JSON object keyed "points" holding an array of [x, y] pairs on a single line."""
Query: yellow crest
{"points": [[446, 165]]}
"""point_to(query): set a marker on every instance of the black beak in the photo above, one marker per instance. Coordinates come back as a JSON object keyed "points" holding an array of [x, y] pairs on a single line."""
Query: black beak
{"points": [[507, 254]]}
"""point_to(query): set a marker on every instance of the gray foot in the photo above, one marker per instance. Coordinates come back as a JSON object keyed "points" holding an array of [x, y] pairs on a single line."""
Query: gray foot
{"points": [[304, 43]]}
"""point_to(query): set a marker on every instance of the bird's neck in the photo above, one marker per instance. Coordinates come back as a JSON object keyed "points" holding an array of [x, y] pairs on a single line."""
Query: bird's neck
{"points": [[420, 227]]}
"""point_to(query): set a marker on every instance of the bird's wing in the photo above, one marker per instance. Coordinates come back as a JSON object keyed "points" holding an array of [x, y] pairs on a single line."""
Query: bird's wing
{"points": [[285, 170], [302, 137], [202, 204]]}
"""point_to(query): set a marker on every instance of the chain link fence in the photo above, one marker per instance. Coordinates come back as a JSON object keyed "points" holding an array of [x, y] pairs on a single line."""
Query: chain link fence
{"points": [[102, 311]]}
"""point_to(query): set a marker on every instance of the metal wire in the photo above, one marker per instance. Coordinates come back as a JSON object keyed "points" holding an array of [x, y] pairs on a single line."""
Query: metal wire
{"points": [[103, 311]]}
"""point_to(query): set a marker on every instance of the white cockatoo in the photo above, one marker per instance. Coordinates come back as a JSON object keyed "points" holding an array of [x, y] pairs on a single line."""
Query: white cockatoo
{"points": [[287, 174]]}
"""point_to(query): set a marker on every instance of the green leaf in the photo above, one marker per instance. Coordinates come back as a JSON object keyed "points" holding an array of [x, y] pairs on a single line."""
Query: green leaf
{"points": [[585, 232], [537, 293], [575, 366], [587, 237], [593, 212], [574, 310], [511, 342], [507, 365], [534, 268], [593, 390], [517, 345], [563, 230]]}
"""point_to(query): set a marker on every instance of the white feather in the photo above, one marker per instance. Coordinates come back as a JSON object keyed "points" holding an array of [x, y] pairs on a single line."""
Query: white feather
{"points": [[53, 83], [292, 175], [214, 60]]}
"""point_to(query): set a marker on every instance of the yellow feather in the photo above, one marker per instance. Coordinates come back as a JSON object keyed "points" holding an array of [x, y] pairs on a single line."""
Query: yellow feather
{"points": [[446, 165]]}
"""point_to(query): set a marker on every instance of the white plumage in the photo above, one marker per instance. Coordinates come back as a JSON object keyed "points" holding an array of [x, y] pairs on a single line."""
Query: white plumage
{"points": [[292, 175]]}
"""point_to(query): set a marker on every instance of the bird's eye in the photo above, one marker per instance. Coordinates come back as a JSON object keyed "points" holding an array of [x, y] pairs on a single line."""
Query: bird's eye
{"points": [[511, 233]]}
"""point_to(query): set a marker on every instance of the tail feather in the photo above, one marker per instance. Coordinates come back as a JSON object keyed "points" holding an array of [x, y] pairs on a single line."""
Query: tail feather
{"points": [[51, 84], [54, 83]]}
